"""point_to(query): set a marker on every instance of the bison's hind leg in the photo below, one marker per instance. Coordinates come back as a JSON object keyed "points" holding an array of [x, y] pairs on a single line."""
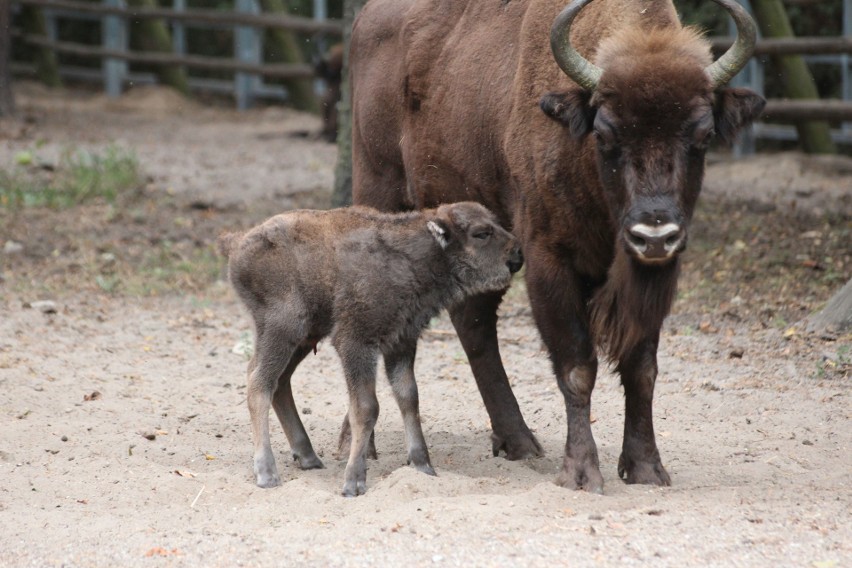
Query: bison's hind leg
{"points": [[285, 408], [399, 364]]}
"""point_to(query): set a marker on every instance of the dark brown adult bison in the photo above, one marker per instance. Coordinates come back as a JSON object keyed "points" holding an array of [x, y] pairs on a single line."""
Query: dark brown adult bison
{"points": [[584, 130]]}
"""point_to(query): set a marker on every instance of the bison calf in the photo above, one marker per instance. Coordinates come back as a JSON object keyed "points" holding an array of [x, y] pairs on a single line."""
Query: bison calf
{"points": [[371, 281]]}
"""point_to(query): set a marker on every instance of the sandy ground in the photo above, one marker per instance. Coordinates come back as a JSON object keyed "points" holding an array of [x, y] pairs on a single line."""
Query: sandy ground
{"points": [[155, 468]]}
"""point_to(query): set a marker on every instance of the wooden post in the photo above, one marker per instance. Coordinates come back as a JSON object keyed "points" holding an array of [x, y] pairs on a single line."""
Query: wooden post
{"points": [[7, 99], [47, 69], [153, 35], [114, 37], [342, 194], [814, 136], [246, 50], [283, 48]]}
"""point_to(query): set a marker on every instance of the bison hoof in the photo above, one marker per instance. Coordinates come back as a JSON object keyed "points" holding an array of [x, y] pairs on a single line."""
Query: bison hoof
{"points": [[582, 475], [518, 446], [643, 472], [308, 462]]}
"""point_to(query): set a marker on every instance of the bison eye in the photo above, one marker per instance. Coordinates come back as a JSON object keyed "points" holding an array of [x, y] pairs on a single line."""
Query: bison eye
{"points": [[482, 234]]}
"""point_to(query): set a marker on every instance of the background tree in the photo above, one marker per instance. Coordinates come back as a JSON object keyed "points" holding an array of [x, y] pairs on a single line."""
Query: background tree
{"points": [[342, 194], [815, 136], [7, 100]]}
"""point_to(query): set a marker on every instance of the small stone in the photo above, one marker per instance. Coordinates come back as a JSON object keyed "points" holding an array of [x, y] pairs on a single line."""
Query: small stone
{"points": [[64, 438], [306, 410], [807, 443], [13, 247], [44, 306], [736, 353]]}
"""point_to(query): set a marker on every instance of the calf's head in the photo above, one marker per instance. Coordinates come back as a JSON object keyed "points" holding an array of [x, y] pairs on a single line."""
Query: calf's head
{"points": [[653, 106], [482, 255]]}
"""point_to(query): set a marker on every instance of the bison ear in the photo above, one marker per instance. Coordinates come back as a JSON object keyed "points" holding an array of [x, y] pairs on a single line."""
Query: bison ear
{"points": [[734, 110], [570, 108], [439, 231]]}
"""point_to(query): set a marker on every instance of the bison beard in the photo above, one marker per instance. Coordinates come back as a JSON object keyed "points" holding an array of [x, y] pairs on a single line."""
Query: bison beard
{"points": [[635, 299]]}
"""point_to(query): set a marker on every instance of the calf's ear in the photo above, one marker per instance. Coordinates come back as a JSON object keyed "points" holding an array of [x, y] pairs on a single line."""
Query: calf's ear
{"points": [[440, 232], [570, 108], [734, 110]]}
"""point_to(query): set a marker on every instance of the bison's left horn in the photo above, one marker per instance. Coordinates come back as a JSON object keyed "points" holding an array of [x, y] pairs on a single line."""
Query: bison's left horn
{"points": [[723, 69], [581, 70]]}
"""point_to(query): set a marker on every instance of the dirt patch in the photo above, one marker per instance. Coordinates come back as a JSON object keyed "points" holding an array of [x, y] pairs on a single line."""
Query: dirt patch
{"points": [[752, 414]]}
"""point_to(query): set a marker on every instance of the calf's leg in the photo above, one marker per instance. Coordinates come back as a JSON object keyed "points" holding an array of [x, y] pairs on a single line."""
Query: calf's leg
{"points": [[344, 441], [285, 408], [475, 321], [271, 357], [640, 459], [359, 367], [399, 364]]}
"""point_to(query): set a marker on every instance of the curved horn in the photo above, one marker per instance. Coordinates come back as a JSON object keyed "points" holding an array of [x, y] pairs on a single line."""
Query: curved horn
{"points": [[580, 69], [732, 61]]}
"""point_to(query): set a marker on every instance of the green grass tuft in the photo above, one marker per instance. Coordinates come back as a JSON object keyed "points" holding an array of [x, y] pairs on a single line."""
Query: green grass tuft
{"points": [[79, 177]]}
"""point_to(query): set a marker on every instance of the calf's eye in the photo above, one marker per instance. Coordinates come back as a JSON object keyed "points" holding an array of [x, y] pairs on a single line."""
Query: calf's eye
{"points": [[482, 234]]}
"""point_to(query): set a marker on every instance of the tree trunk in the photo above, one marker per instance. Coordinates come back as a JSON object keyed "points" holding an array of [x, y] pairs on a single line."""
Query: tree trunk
{"points": [[7, 99], [153, 35], [814, 136], [285, 49], [47, 69], [342, 194], [836, 317]]}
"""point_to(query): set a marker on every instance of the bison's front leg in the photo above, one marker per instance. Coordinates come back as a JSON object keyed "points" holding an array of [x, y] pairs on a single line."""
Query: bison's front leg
{"points": [[475, 321], [640, 459], [559, 310]]}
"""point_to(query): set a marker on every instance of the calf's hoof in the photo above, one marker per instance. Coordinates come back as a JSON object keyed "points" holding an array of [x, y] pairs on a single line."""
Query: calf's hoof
{"points": [[354, 488], [643, 472], [424, 468], [308, 462], [517, 445], [266, 474], [580, 474]]}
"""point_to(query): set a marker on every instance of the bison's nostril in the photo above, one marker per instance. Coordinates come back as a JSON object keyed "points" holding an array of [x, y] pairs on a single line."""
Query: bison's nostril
{"points": [[655, 242]]}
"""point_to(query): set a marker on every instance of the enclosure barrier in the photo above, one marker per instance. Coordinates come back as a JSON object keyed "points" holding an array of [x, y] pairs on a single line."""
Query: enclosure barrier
{"points": [[249, 67], [246, 22]]}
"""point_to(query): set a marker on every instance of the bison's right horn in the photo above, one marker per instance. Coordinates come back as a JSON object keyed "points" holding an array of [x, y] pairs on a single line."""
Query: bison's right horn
{"points": [[732, 61], [581, 70]]}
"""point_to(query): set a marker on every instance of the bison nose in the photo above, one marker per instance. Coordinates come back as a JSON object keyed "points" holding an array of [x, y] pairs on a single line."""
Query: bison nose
{"points": [[516, 260], [655, 243]]}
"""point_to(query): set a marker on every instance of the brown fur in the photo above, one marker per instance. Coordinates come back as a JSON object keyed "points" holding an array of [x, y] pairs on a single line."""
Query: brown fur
{"points": [[369, 280], [447, 106]]}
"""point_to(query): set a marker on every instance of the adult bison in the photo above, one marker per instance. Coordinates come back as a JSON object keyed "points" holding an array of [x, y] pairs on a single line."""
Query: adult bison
{"points": [[596, 170]]}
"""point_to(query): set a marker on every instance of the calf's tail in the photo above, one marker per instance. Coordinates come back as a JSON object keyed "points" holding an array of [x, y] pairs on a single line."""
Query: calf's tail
{"points": [[227, 242]]}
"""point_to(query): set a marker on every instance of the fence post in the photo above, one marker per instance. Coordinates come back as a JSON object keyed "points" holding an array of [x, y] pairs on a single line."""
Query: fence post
{"points": [[320, 15], [114, 36], [845, 60], [179, 30], [247, 50], [751, 76]]}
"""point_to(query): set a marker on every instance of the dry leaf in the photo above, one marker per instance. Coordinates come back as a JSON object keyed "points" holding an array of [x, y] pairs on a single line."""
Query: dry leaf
{"points": [[187, 473]]}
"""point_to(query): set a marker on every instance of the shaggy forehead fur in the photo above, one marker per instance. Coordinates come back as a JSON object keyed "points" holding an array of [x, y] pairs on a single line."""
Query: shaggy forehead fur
{"points": [[654, 76]]}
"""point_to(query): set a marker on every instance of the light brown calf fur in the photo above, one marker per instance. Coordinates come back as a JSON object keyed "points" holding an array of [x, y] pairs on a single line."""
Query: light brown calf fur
{"points": [[369, 280]]}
